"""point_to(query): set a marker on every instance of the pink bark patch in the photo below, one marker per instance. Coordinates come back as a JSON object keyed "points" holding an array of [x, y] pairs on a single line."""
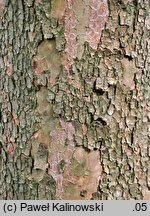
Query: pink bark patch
{"points": [[55, 172], [10, 148], [52, 79], [81, 169], [96, 23], [70, 35], [8, 65], [39, 65], [2, 5], [98, 18], [15, 118], [65, 153], [69, 129]]}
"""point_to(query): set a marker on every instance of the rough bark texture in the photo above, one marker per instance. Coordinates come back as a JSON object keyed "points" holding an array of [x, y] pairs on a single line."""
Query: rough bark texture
{"points": [[74, 99]]}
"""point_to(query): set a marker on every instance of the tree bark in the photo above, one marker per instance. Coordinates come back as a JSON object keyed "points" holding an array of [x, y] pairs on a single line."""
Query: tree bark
{"points": [[74, 99]]}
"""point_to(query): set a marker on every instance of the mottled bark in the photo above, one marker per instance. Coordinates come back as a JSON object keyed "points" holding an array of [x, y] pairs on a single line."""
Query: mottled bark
{"points": [[74, 99]]}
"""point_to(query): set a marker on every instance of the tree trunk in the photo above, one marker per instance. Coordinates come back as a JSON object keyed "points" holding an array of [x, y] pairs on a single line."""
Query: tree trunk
{"points": [[74, 99]]}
